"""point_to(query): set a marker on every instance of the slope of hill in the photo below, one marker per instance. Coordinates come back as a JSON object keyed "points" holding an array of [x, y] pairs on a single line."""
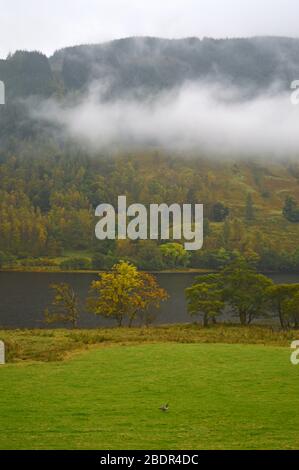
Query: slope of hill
{"points": [[53, 184], [48, 196], [153, 64]]}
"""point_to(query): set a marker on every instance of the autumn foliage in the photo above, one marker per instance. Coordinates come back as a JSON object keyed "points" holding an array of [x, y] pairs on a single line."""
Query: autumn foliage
{"points": [[125, 294]]}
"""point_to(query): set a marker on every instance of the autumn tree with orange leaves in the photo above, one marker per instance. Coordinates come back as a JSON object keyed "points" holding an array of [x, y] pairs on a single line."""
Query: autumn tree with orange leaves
{"points": [[125, 294]]}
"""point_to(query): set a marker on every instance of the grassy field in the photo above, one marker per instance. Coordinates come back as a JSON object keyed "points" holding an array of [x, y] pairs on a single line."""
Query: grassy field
{"points": [[222, 396]]}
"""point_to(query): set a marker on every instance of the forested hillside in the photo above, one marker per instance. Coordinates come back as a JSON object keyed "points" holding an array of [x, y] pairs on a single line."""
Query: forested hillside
{"points": [[48, 199], [50, 185], [149, 65], [144, 65]]}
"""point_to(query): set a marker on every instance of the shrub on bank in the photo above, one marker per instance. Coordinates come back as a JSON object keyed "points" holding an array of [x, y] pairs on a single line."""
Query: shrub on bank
{"points": [[76, 263]]}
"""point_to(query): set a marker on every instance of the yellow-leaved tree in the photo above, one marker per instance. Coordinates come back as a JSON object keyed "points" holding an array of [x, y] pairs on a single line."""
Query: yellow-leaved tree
{"points": [[124, 293]]}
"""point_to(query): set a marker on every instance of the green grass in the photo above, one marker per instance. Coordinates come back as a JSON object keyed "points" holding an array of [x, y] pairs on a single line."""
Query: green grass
{"points": [[221, 396]]}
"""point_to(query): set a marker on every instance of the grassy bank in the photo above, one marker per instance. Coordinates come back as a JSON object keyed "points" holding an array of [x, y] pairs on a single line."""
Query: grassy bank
{"points": [[57, 269], [221, 397], [55, 345]]}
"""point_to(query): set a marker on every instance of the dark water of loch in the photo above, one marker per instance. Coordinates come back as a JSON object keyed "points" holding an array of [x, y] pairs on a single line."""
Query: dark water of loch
{"points": [[24, 297]]}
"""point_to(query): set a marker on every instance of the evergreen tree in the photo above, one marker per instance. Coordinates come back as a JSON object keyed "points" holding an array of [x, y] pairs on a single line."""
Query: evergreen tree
{"points": [[290, 210], [249, 209]]}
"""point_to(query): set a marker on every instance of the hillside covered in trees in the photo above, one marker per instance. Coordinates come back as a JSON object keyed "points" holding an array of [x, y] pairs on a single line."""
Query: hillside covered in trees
{"points": [[50, 184], [48, 197], [149, 65]]}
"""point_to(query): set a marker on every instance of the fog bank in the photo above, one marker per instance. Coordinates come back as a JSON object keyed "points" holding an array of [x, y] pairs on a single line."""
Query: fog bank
{"points": [[197, 117]]}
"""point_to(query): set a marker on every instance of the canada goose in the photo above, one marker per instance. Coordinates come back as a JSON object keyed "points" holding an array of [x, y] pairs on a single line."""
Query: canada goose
{"points": [[164, 408]]}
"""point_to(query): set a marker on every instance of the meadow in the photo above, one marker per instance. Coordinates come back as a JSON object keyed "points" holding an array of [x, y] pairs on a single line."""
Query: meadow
{"points": [[102, 389]]}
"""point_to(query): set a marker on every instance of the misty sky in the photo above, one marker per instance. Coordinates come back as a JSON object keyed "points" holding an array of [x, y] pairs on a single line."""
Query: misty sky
{"points": [[48, 25]]}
